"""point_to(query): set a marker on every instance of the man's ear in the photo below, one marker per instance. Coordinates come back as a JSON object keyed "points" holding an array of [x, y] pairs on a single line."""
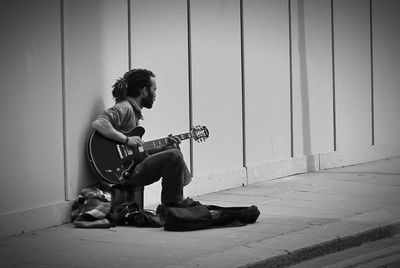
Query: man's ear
{"points": [[145, 92]]}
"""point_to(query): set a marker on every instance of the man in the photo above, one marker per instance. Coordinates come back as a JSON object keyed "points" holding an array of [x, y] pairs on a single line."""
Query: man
{"points": [[133, 92]]}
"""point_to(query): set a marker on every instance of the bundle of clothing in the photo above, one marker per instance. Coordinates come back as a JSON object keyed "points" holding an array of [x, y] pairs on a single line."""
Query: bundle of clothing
{"points": [[102, 207], [92, 208]]}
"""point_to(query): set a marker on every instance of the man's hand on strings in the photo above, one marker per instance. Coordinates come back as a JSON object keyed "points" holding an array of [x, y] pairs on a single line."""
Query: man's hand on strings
{"points": [[135, 141], [173, 141]]}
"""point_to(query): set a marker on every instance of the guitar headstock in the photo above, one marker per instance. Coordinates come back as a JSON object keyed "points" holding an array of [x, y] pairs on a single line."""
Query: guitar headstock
{"points": [[200, 133]]}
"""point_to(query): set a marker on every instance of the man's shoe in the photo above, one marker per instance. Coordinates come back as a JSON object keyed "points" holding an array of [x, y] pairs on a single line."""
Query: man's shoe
{"points": [[160, 211], [187, 203]]}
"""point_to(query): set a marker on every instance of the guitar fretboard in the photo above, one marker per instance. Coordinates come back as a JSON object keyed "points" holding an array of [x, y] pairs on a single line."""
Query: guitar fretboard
{"points": [[148, 145]]}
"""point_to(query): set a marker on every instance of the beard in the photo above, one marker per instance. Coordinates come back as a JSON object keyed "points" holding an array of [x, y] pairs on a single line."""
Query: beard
{"points": [[148, 101]]}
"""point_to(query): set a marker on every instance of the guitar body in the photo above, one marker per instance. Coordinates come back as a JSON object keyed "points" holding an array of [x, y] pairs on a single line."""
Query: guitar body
{"points": [[114, 162], [108, 161]]}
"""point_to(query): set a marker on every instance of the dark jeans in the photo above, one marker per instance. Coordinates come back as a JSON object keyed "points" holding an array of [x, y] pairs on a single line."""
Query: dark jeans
{"points": [[168, 165]]}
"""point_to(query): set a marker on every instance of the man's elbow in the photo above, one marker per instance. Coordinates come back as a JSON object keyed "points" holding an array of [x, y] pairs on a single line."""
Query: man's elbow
{"points": [[96, 124]]}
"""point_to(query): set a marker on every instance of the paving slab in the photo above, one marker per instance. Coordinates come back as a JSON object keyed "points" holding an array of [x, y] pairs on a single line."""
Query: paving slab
{"points": [[302, 216]]}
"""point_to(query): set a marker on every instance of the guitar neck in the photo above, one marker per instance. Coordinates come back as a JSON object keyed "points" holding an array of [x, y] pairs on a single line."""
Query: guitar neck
{"points": [[148, 145]]}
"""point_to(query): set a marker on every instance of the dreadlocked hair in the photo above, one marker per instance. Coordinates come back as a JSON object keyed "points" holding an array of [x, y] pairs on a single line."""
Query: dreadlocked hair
{"points": [[119, 89], [131, 83]]}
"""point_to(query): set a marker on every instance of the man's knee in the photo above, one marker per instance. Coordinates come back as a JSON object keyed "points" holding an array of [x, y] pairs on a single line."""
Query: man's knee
{"points": [[175, 155]]}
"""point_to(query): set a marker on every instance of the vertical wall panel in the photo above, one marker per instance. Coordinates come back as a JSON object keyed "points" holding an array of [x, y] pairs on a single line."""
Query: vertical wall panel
{"points": [[352, 73], [30, 105], [162, 47], [96, 53], [386, 63], [160, 43], [267, 77], [312, 77], [217, 83]]}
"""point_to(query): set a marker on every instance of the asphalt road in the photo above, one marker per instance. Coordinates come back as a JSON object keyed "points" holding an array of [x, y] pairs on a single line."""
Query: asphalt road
{"points": [[381, 253]]}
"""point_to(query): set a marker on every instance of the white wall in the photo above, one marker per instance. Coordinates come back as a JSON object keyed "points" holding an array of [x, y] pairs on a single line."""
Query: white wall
{"points": [[283, 86], [386, 66], [352, 74], [96, 53], [216, 87], [312, 77], [267, 81], [159, 43], [32, 158]]}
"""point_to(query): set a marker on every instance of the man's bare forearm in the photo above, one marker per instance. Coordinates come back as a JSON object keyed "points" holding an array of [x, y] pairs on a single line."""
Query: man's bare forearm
{"points": [[107, 130]]}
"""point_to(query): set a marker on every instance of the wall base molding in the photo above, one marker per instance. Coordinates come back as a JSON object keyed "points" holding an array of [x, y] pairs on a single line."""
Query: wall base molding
{"points": [[216, 182], [359, 155], [321, 161], [282, 168], [20, 222]]}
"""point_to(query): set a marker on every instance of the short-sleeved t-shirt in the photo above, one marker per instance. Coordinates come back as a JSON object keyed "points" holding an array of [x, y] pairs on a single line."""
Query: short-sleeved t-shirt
{"points": [[124, 116]]}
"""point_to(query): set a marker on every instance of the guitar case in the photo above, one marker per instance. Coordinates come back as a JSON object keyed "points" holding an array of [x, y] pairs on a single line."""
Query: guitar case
{"points": [[201, 216]]}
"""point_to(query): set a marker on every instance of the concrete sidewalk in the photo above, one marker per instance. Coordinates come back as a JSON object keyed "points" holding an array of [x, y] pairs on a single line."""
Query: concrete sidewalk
{"points": [[302, 216]]}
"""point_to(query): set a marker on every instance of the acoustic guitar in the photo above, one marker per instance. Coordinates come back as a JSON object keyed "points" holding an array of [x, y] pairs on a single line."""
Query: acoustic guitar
{"points": [[114, 162]]}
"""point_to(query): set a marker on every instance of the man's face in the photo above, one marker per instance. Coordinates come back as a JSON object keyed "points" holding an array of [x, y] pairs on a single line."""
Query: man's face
{"points": [[151, 94]]}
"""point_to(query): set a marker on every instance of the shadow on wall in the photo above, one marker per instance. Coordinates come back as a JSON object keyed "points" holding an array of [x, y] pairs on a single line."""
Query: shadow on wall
{"points": [[87, 65], [87, 174], [304, 92]]}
